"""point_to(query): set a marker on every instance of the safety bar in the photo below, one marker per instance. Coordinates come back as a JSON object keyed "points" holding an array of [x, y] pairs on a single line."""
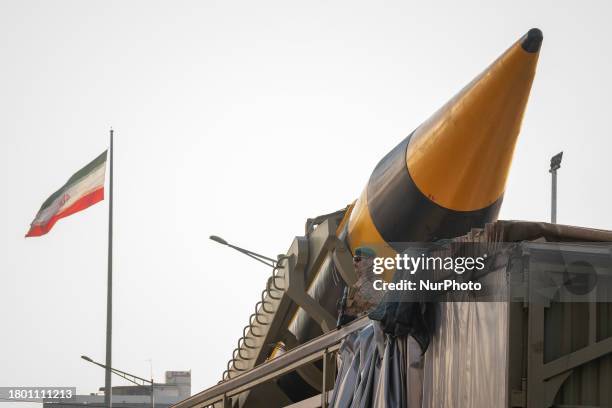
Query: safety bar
{"points": [[314, 350]]}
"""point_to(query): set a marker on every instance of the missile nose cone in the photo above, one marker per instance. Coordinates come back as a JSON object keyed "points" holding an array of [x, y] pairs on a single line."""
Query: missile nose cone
{"points": [[460, 157], [532, 41], [449, 175]]}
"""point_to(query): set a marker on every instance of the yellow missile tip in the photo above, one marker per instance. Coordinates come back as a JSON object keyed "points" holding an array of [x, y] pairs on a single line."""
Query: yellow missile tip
{"points": [[460, 157]]}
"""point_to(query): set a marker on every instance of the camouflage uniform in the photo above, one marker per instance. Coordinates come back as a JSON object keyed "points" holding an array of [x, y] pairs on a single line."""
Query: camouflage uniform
{"points": [[361, 297]]}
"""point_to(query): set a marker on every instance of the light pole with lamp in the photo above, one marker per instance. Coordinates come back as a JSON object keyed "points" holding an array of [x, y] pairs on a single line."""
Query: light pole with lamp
{"points": [[258, 257], [555, 164], [130, 377]]}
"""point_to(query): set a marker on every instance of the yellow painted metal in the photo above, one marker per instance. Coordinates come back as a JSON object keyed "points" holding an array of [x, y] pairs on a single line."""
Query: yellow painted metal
{"points": [[461, 156], [363, 232]]}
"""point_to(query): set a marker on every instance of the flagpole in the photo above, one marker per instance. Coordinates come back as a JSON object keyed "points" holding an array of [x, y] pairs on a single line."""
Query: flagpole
{"points": [[109, 296]]}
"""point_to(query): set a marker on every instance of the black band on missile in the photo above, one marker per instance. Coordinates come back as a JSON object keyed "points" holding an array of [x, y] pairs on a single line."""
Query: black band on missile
{"points": [[402, 213], [532, 40]]}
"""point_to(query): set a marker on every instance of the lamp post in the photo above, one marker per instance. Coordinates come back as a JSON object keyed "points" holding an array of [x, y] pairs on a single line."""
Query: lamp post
{"points": [[555, 164], [258, 257], [130, 377]]}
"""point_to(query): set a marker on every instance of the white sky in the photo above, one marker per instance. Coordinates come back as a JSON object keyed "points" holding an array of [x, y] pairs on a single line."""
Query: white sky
{"points": [[242, 119]]}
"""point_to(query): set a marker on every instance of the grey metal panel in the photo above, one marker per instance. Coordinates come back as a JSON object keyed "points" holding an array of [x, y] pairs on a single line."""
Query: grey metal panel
{"points": [[326, 289]]}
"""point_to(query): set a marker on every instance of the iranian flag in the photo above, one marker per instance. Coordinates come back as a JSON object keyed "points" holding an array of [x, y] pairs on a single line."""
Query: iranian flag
{"points": [[83, 189]]}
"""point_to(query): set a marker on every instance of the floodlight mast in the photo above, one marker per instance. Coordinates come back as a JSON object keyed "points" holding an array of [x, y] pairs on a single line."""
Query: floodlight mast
{"points": [[555, 164], [258, 257]]}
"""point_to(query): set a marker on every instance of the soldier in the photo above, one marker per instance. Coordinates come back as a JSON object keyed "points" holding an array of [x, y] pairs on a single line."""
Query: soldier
{"points": [[361, 297]]}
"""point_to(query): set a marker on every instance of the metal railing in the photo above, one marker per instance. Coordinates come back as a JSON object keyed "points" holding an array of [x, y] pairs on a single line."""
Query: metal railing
{"points": [[320, 348]]}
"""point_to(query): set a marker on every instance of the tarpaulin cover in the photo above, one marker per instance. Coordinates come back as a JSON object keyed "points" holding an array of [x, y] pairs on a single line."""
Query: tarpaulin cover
{"points": [[466, 363], [377, 370]]}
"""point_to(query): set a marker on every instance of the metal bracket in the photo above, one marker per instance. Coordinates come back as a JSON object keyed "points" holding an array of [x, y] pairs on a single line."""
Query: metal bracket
{"points": [[296, 284], [343, 261]]}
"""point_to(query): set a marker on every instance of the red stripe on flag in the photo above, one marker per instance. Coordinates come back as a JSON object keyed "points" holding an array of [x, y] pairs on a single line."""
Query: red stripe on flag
{"points": [[79, 205]]}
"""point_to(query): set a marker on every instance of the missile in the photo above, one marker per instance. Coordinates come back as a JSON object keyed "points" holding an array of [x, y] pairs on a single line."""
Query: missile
{"points": [[449, 174], [445, 178]]}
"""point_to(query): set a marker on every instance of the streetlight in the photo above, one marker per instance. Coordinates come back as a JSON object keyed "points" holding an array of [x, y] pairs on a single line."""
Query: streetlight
{"points": [[130, 377], [555, 164], [258, 257]]}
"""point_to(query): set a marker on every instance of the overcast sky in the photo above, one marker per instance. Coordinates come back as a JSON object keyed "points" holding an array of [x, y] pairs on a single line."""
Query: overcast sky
{"points": [[242, 119]]}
